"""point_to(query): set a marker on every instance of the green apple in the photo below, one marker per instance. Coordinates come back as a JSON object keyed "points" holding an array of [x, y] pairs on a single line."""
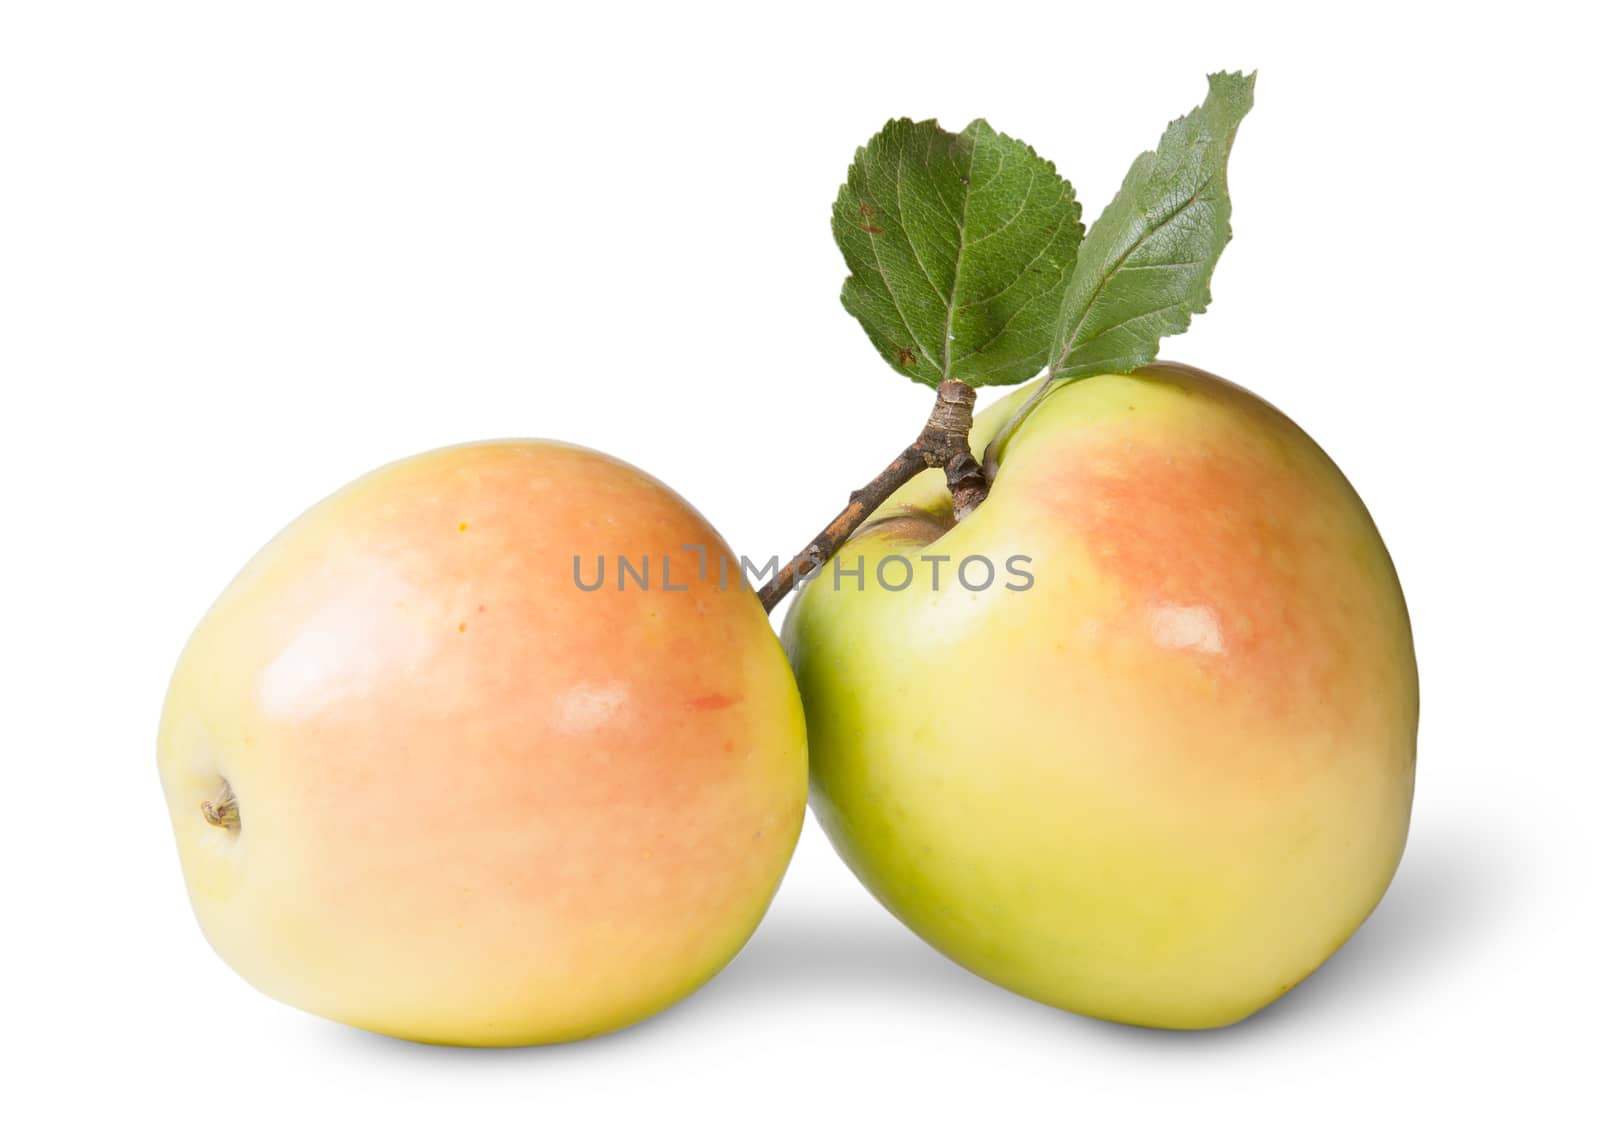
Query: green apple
{"points": [[1161, 768]]}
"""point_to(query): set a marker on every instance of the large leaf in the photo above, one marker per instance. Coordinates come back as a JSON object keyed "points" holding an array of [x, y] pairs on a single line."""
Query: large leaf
{"points": [[959, 248], [1145, 267]]}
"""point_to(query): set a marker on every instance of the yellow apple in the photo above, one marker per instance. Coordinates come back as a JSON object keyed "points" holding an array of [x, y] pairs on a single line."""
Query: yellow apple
{"points": [[1165, 780], [424, 783]]}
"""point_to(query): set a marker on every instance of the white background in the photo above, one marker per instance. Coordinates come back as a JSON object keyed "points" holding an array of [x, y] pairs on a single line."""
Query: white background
{"points": [[248, 252]]}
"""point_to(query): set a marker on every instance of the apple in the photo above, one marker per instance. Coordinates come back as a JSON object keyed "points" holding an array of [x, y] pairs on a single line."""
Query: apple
{"points": [[1157, 771], [424, 784]]}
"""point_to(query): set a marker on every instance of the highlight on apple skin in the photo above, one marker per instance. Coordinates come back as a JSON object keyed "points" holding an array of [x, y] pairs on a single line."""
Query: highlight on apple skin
{"points": [[1166, 782], [423, 784]]}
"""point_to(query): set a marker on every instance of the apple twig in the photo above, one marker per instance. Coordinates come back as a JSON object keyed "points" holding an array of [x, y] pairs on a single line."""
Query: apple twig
{"points": [[943, 443]]}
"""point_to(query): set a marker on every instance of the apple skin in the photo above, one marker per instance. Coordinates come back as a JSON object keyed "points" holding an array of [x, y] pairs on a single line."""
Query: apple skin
{"points": [[478, 805], [1166, 782]]}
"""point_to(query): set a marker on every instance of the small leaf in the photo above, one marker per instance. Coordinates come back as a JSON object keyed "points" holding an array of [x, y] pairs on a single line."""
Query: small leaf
{"points": [[959, 247], [1145, 267]]}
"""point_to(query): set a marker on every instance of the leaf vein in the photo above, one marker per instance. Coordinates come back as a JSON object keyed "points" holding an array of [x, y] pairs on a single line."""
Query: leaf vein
{"points": [[1099, 288]]}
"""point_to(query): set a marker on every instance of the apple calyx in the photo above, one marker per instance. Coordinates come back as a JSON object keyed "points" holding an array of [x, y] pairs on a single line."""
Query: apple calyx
{"points": [[224, 811], [942, 444]]}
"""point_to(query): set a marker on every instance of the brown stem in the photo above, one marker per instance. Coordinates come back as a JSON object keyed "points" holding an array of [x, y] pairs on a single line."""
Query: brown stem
{"points": [[943, 443], [224, 812]]}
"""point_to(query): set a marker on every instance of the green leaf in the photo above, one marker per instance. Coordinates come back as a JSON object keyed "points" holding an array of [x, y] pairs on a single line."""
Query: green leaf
{"points": [[959, 247], [1145, 267]]}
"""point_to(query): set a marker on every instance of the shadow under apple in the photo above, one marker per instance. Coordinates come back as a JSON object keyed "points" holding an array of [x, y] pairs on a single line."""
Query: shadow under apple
{"points": [[1447, 888]]}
